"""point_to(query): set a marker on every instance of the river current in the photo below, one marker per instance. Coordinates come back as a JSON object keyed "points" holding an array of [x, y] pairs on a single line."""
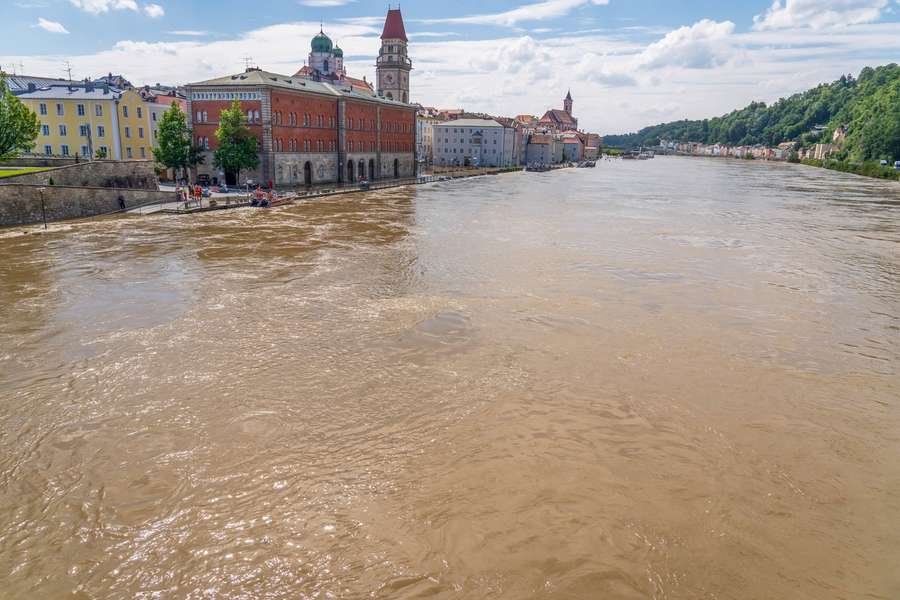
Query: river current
{"points": [[662, 379]]}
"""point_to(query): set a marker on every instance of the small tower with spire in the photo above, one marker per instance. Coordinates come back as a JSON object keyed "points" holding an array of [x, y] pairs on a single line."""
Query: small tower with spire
{"points": [[393, 65], [567, 103]]}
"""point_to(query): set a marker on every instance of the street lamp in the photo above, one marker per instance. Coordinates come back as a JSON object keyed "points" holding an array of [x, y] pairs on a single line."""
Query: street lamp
{"points": [[43, 210]]}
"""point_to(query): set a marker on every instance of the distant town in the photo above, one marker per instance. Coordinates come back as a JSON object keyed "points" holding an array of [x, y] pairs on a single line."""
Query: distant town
{"points": [[318, 125], [784, 151]]}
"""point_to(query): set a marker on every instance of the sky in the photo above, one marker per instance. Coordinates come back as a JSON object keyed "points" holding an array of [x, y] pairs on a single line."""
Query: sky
{"points": [[628, 63]]}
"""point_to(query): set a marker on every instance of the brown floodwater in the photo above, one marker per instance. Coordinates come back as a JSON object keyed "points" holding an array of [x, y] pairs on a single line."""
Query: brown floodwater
{"points": [[666, 379]]}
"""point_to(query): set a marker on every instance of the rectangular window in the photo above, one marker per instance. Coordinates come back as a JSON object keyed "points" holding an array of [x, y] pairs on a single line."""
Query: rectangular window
{"points": [[84, 151], [83, 130], [143, 152], [128, 132], [62, 130], [101, 131], [81, 110], [98, 110], [45, 129], [140, 132], [59, 109], [140, 113], [104, 150], [48, 149], [128, 152], [64, 150], [43, 108], [125, 111], [153, 116]]}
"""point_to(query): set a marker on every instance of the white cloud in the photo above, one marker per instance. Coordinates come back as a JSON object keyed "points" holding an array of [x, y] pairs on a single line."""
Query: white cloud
{"points": [[548, 9], [51, 26], [784, 14], [325, 3], [97, 7], [154, 11], [188, 32], [703, 45], [432, 34], [620, 80], [603, 70]]}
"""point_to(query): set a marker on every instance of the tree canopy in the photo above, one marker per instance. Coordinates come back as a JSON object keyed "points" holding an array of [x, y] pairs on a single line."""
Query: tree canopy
{"points": [[237, 148], [176, 149], [866, 105], [19, 126]]}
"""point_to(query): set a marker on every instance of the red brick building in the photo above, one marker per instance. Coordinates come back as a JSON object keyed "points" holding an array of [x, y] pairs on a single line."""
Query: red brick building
{"points": [[309, 132]]}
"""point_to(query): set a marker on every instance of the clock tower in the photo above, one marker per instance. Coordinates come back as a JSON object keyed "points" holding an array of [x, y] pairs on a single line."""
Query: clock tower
{"points": [[393, 65]]}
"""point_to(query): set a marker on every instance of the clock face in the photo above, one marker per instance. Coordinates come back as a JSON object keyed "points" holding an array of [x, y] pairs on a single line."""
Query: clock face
{"points": [[389, 78]]}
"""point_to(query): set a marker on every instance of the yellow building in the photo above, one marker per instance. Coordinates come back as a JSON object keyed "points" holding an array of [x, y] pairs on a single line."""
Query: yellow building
{"points": [[86, 120], [134, 126]]}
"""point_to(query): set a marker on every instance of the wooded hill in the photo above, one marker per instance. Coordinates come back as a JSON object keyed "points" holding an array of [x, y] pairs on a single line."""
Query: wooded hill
{"points": [[868, 105]]}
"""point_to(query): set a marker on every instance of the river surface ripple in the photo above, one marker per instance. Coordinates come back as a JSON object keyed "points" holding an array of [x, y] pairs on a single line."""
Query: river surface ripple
{"points": [[666, 379]]}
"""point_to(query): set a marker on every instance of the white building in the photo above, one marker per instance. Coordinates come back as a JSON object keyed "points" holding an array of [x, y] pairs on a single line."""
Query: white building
{"points": [[472, 142], [156, 111], [425, 138]]}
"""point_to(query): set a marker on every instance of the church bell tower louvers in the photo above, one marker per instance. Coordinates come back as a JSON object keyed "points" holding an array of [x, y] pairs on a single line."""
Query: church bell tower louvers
{"points": [[393, 65]]}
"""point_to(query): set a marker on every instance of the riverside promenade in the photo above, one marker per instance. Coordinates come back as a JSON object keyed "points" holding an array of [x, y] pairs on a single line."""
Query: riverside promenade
{"points": [[217, 202]]}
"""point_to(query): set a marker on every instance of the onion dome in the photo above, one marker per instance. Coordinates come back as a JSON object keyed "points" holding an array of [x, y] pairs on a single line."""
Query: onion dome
{"points": [[321, 43], [338, 53]]}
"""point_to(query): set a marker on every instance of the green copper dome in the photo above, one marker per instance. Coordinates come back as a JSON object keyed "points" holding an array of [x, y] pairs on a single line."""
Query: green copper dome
{"points": [[338, 53], [321, 43]]}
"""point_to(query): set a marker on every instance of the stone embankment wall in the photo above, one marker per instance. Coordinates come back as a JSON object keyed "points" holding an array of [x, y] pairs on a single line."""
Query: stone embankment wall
{"points": [[21, 204], [131, 174]]}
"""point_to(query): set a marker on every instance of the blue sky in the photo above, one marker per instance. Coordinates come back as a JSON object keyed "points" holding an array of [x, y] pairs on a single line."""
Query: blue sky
{"points": [[629, 63]]}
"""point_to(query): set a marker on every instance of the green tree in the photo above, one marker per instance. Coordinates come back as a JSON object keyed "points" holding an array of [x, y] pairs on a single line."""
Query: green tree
{"points": [[237, 148], [100, 154], [175, 150], [19, 126]]}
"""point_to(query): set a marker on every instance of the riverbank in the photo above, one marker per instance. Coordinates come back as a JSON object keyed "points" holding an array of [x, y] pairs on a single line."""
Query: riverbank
{"points": [[869, 169], [232, 201]]}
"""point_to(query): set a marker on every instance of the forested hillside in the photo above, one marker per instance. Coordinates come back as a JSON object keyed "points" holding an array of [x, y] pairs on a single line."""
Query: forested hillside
{"points": [[869, 105]]}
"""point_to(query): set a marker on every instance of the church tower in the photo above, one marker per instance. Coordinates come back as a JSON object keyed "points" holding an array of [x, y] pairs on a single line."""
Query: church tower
{"points": [[567, 103], [393, 65]]}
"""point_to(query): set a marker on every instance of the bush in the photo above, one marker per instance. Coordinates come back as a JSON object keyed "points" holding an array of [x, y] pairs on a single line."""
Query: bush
{"points": [[866, 169]]}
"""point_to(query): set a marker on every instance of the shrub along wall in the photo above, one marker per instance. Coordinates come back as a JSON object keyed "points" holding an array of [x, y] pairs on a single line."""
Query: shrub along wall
{"points": [[867, 169]]}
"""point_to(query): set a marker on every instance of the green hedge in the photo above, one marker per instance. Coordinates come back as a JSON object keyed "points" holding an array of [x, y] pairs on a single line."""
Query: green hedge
{"points": [[867, 169]]}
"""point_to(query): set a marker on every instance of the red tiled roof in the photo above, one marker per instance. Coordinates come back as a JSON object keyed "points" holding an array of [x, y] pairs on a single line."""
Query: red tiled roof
{"points": [[393, 26], [539, 139], [558, 116], [359, 83]]}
